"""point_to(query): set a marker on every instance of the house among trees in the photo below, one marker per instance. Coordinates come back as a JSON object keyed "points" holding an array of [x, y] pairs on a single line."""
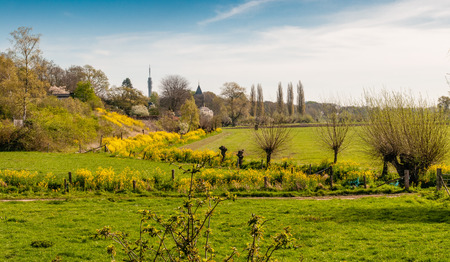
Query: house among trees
{"points": [[206, 112], [59, 91]]}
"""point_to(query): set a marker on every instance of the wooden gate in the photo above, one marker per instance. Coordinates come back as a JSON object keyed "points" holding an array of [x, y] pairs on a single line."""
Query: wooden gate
{"points": [[442, 180]]}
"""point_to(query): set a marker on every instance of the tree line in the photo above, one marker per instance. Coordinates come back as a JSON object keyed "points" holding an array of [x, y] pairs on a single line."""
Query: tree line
{"points": [[400, 131]]}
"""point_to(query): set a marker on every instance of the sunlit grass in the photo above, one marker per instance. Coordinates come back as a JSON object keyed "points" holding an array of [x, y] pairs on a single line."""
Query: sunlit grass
{"points": [[407, 228]]}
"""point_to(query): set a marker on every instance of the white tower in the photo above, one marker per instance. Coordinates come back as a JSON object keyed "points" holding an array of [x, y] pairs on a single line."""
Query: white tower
{"points": [[149, 82]]}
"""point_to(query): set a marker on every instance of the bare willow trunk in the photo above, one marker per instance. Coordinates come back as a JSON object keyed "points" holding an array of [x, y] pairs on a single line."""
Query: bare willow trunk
{"points": [[333, 135], [272, 139], [405, 132]]}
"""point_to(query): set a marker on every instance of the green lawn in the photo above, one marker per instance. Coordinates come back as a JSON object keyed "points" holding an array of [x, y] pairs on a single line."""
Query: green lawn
{"points": [[62, 163], [406, 228], [304, 147]]}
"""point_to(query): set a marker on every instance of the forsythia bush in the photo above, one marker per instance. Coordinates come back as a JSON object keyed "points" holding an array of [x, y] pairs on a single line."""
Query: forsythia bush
{"points": [[250, 179], [212, 179], [103, 179], [107, 179], [429, 178], [17, 178], [118, 119], [156, 146]]}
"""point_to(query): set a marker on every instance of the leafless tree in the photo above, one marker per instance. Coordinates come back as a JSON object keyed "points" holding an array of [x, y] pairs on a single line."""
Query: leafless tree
{"points": [[405, 132], [175, 91], [235, 100], [272, 139], [334, 133], [55, 75], [98, 80]]}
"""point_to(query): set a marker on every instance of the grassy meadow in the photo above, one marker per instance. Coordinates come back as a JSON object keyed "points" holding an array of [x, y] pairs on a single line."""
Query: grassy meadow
{"points": [[409, 227], [62, 163], [404, 228], [304, 147]]}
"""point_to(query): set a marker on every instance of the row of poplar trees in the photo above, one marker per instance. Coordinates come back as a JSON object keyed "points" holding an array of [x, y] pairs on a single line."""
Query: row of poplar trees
{"points": [[257, 100]]}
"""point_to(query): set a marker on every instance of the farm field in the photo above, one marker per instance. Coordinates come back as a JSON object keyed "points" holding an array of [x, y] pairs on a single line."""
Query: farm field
{"points": [[62, 163], [304, 148], [408, 227], [404, 228]]}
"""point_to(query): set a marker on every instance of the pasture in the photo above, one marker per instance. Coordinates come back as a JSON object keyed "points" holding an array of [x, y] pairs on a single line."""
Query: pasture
{"points": [[304, 148], [408, 227], [404, 228]]}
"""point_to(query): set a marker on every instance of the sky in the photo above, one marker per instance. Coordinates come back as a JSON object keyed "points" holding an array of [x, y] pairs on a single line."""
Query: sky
{"points": [[338, 49]]}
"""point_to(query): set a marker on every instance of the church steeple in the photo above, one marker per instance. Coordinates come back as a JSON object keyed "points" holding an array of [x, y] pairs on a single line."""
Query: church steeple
{"points": [[149, 82], [199, 90]]}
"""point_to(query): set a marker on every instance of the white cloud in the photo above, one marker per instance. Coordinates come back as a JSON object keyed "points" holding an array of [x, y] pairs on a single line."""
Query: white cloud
{"points": [[402, 45], [245, 7]]}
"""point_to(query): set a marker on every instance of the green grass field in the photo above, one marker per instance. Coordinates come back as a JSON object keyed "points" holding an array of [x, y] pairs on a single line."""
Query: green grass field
{"points": [[406, 228], [62, 163], [304, 147]]}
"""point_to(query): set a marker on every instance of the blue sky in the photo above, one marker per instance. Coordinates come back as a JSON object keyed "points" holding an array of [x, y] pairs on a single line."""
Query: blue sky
{"points": [[337, 49]]}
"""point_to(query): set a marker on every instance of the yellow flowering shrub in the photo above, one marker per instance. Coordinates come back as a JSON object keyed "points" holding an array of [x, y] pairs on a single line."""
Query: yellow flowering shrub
{"points": [[107, 179], [3, 183], [161, 146], [251, 179], [119, 119], [429, 177], [18, 178]]}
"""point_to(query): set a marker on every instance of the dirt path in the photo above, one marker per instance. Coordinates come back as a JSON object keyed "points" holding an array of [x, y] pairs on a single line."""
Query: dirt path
{"points": [[198, 144], [347, 197], [32, 199]]}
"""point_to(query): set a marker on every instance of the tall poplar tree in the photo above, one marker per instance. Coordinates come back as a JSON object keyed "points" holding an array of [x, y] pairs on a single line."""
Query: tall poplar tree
{"points": [[280, 102], [301, 106], [260, 102], [252, 101], [290, 99]]}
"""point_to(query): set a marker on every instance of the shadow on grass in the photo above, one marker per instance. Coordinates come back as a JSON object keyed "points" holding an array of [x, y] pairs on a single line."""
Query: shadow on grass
{"points": [[413, 214]]}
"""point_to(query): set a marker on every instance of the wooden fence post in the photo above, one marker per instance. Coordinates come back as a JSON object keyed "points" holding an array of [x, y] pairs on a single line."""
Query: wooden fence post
{"points": [[438, 179], [292, 170], [406, 177], [331, 176], [266, 183], [134, 184], [66, 187], [70, 177], [173, 174], [143, 132]]}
